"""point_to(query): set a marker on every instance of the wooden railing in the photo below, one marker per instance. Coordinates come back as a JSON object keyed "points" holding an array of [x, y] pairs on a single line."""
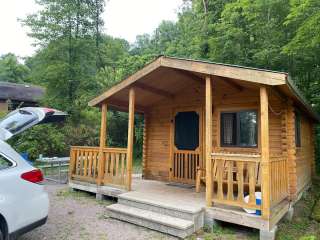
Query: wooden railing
{"points": [[279, 179], [234, 177], [185, 164], [84, 165]]}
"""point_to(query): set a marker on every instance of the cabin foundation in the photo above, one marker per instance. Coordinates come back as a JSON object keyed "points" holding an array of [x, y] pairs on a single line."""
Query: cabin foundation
{"points": [[268, 235]]}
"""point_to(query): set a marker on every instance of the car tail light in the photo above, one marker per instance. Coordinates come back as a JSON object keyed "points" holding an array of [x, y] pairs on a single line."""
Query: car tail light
{"points": [[34, 176]]}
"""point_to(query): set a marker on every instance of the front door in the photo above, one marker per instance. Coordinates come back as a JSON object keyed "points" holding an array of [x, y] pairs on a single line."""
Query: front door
{"points": [[186, 145]]}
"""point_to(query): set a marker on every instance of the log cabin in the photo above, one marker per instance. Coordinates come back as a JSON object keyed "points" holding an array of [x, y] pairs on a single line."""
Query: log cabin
{"points": [[220, 142]]}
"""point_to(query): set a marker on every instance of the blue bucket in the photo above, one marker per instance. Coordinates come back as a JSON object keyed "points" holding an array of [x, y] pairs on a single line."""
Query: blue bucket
{"points": [[258, 202]]}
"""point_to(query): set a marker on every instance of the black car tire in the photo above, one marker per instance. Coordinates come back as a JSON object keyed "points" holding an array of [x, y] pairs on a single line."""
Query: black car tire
{"points": [[1, 235]]}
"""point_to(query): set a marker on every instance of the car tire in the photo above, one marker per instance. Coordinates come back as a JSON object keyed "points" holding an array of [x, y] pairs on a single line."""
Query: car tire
{"points": [[1, 235]]}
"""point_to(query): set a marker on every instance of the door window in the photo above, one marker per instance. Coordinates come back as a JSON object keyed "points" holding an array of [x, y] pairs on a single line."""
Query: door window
{"points": [[186, 130]]}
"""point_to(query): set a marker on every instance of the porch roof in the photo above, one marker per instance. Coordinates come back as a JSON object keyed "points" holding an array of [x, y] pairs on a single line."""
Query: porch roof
{"points": [[165, 76]]}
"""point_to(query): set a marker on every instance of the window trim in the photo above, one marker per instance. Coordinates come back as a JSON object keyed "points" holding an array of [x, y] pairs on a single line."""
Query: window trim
{"points": [[237, 111]]}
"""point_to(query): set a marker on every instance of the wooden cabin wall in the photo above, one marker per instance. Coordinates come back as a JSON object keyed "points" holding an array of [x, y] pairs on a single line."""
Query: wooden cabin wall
{"points": [[159, 119], [305, 155], [225, 97]]}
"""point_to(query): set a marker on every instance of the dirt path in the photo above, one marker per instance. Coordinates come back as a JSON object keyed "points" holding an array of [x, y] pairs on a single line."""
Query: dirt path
{"points": [[79, 216]]}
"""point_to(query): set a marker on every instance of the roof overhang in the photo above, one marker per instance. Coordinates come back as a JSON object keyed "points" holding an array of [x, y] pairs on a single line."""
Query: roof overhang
{"points": [[197, 70]]}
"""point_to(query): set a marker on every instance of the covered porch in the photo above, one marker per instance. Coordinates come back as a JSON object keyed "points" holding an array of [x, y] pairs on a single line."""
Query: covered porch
{"points": [[225, 178]]}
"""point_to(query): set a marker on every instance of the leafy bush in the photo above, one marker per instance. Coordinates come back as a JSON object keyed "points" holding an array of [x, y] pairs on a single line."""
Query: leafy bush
{"points": [[42, 139]]}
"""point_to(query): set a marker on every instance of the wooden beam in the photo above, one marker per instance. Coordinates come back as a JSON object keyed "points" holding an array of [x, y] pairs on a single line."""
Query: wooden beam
{"points": [[153, 90], [123, 106], [224, 70], [208, 140], [190, 76], [278, 93], [231, 83], [103, 138], [265, 156], [130, 138]]}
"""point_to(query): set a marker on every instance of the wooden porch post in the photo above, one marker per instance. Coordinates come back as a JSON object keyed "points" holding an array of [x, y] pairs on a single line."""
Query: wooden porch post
{"points": [[130, 137], [265, 158], [208, 141], [103, 138]]}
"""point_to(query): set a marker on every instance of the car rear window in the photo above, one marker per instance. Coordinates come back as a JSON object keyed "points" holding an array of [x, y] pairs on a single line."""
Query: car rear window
{"points": [[17, 121], [4, 163]]}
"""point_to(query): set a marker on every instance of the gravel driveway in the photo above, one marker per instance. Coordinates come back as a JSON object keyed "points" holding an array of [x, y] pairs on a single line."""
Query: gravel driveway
{"points": [[78, 216]]}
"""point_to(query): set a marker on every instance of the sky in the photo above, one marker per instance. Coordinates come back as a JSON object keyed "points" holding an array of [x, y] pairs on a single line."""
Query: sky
{"points": [[123, 18]]}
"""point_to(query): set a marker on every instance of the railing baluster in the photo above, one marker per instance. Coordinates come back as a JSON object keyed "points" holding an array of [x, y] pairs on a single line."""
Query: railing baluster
{"points": [[117, 166], [240, 182], [230, 180], [252, 184], [220, 169]]}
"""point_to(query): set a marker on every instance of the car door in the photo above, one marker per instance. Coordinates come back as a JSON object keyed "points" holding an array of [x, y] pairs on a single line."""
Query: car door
{"points": [[24, 118]]}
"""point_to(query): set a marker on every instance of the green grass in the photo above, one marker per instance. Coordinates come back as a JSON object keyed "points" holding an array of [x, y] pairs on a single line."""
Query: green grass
{"points": [[81, 196], [306, 221]]}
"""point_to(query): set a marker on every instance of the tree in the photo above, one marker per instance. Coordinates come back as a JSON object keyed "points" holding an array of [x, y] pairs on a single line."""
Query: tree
{"points": [[11, 70], [68, 33]]}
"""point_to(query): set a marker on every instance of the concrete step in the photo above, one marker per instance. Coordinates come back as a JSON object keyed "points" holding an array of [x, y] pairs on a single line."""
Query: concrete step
{"points": [[182, 211], [153, 220]]}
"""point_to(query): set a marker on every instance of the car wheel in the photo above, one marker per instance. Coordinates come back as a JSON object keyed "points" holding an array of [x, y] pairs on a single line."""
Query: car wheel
{"points": [[1, 235]]}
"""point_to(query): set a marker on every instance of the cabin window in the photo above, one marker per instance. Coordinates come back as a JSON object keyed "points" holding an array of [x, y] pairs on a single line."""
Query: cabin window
{"points": [[186, 131], [298, 129], [239, 129]]}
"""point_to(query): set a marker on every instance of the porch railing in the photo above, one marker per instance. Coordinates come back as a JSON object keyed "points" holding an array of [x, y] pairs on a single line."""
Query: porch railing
{"points": [[84, 165], [185, 164], [279, 179], [234, 177]]}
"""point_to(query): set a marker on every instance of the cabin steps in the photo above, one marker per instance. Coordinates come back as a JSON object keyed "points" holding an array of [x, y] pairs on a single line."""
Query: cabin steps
{"points": [[177, 221]]}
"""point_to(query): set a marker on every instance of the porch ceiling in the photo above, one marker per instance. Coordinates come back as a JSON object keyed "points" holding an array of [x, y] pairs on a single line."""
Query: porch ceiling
{"points": [[164, 83]]}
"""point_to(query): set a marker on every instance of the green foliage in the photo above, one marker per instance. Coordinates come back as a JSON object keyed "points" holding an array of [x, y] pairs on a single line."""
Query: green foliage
{"points": [[40, 139], [75, 62], [11, 70]]}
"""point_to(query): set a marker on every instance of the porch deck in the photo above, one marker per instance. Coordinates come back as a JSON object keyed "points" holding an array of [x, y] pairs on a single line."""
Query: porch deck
{"points": [[156, 194]]}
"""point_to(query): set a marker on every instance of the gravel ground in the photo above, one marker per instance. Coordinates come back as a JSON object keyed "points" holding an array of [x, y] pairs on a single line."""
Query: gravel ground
{"points": [[79, 216]]}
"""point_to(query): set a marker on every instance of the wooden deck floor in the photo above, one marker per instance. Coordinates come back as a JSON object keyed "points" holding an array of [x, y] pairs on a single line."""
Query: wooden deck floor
{"points": [[168, 196]]}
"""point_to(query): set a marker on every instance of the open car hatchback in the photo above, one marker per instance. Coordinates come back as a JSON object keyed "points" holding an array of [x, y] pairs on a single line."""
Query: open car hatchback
{"points": [[24, 118]]}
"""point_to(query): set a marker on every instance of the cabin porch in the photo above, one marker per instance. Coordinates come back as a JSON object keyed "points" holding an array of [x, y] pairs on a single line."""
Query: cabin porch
{"points": [[225, 174], [170, 208]]}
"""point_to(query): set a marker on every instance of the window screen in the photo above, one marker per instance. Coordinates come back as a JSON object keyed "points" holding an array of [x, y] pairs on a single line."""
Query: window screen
{"points": [[186, 131], [239, 129], [298, 129]]}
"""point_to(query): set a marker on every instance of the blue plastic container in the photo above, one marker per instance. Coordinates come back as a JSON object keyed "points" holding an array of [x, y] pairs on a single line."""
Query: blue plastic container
{"points": [[258, 202]]}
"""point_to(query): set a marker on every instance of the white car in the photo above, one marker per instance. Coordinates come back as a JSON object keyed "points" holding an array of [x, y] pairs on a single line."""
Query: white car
{"points": [[24, 204]]}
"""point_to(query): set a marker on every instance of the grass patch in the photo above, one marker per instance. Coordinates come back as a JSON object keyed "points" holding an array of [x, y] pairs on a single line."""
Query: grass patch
{"points": [[305, 224], [74, 194], [225, 231], [81, 196]]}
